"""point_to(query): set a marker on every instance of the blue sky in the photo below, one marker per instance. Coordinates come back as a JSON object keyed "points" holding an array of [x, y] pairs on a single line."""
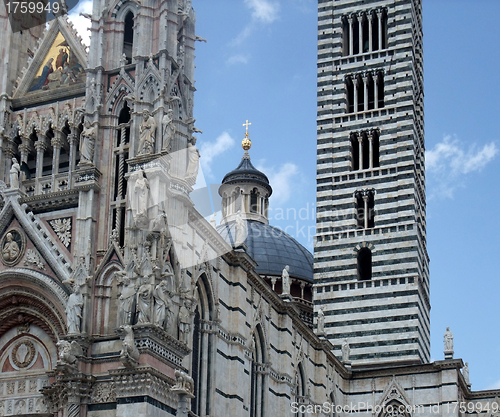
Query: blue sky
{"points": [[260, 64]]}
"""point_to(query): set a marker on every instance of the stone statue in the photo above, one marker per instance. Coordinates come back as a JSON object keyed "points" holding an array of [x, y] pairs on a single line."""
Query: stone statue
{"points": [[87, 143], [74, 310], [129, 350], [466, 373], [448, 340], [67, 352], [144, 301], [11, 249], [163, 305], [147, 132], [141, 198], [185, 320], [183, 382], [285, 281], [346, 351], [193, 160], [15, 170], [168, 130], [321, 321], [126, 301]]}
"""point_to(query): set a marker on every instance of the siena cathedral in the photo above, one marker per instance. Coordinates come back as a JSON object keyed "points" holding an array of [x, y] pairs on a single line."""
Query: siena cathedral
{"points": [[120, 296]]}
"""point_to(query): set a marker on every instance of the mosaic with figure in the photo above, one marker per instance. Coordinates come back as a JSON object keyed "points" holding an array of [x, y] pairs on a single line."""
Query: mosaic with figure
{"points": [[60, 68]]}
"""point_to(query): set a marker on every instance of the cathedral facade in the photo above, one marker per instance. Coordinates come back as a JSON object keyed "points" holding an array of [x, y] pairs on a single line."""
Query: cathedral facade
{"points": [[120, 296]]}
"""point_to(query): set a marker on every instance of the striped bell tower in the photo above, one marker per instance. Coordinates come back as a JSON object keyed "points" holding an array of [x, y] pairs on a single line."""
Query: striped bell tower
{"points": [[371, 263]]}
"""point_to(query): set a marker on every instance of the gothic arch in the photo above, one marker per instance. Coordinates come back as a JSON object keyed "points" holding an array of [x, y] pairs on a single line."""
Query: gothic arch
{"points": [[121, 8], [203, 345], [28, 299], [117, 95], [106, 300], [150, 83], [258, 377]]}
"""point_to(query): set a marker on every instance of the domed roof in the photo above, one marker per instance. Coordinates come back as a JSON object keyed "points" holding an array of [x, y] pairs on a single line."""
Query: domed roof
{"points": [[272, 249], [246, 172]]}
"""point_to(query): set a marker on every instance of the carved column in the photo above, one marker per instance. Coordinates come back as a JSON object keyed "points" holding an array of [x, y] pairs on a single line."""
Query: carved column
{"points": [[370, 31], [366, 77], [370, 140], [3, 140], [9, 154], [121, 174], [375, 84], [365, 201], [40, 146], [72, 140], [360, 25], [360, 142], [24, 149], [356, 82], [380, 12], [350, 19], [302, 286], [56, 143]]}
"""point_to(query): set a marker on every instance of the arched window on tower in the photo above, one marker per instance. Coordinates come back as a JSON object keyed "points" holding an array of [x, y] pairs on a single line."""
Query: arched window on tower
{"points": [[364, 91], [365, 209], [365, 152], [120, 154], [364, 32], [128, 36], [364, 264]]}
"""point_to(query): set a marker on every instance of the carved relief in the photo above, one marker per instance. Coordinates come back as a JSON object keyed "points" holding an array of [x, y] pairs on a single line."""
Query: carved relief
{"points": [[103, 393], [23, 354], [13, 245], [33, 259], [62, 227]]}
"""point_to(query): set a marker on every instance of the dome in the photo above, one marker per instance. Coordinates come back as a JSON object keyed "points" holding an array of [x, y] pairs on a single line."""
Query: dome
{"points": [[246, 172], [272, 249]]}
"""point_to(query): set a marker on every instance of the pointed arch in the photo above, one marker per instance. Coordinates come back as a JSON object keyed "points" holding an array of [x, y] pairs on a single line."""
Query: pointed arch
{"points": [[106, 299], [258, 377], [203, 345], [300, 387]]}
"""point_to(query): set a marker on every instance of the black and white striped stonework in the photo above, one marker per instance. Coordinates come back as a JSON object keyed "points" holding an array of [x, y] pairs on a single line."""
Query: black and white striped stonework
{"points": [[384, 318]]}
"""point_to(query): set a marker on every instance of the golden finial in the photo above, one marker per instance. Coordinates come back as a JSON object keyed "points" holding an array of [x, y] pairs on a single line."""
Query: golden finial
{"points": [[246, 143]]}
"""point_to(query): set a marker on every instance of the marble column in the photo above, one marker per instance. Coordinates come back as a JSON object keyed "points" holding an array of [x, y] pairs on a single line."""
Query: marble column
{"points": [[366, 78], [365, 201], [360, 142], [360, 25], [350, 19], [370, 31], [40, 146], [56, 143], [379, 16]]}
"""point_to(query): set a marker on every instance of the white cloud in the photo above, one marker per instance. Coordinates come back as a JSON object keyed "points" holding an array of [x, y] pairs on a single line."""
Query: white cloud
{"points": [[282, 181], [238, 59], [263, 12], [211, 150], [449, 161], [81, 23]]}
